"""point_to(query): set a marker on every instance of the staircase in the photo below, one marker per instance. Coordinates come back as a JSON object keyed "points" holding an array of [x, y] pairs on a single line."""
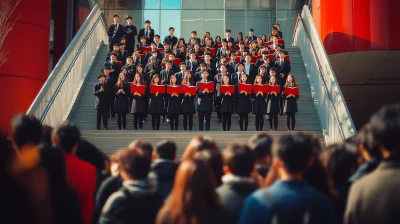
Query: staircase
{"points": [[84, 116]]}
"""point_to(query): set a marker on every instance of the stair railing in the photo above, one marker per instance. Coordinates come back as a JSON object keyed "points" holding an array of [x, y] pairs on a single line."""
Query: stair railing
{"points": [[333, 113], [55, 100]]}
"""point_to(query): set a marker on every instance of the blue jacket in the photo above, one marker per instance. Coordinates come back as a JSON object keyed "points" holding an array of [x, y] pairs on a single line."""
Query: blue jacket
{"points": [[292, 197]]}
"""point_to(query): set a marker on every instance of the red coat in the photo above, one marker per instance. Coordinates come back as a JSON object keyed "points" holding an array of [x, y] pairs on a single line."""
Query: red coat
{"points": [[82, 177]]}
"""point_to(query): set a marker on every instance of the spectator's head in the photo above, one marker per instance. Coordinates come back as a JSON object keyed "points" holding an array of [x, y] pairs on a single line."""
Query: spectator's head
{"points": [[25, 130], [261, 146], [385, 127], [198, 143], [340, 162], [251, 32], [238, 159], [214, 158], [228, 32], [66, 137], [204, 75], [366, 145], [192, 195], [46, 134], [292, 154], [193, 34], [166, 150], [157, 38], [134, 164], [145, 146]]}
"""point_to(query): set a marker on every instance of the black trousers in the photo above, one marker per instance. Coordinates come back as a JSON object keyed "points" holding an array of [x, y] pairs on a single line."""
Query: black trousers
{"points": [[207, 115], [123, 115], [103, 114], [273, 121], [226, 121], [173, 121], [217, 107], [290, 116], [112, 99], [243, 121], [186, 118], [281, 104], [155, 121], [138, 118], [259, 122], [166, 103]]}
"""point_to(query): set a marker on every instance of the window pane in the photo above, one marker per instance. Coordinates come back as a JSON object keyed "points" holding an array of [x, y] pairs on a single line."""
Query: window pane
{"points": [[151, 4], [170, 18], [170, 4]]}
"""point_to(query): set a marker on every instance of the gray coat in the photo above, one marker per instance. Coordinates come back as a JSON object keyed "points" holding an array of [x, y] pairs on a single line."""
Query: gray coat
{"points": [[375, 198]]}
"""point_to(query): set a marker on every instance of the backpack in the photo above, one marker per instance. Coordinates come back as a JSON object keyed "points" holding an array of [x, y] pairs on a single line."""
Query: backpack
{"points": [[281, 218]]}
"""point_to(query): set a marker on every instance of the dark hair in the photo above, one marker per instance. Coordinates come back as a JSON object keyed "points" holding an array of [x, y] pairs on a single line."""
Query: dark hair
{"points": [[194, 31], [129, 17], [26, 129], [166, 149], [129, 57], [273, 69], [340, 162], [214, 159], [294, 151], [116, 16], [239, 158], [228, 30], [46, 134], [260, 144], [385, 127], [156, 36], [145, 146], [193, 195], [135, 162], [69, 135], [53, 162], [364, 138]]}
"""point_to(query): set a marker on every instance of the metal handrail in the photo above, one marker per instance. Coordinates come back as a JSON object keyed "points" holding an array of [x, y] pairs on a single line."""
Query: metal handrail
{"points": [[60, 63], [320, 71]]}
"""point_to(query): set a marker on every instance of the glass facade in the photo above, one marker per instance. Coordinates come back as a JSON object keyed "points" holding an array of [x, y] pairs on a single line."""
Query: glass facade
{"points": [[213, 16]]}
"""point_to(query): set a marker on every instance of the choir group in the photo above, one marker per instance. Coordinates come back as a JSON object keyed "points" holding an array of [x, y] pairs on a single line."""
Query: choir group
{"points": [[225, 75]]}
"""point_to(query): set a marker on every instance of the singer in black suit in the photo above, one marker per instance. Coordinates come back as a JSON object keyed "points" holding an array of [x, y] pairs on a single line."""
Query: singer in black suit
{"points": [[171, 38], [204, 103], [146, 32], [130, 33], [115, 32], [102, 92]]}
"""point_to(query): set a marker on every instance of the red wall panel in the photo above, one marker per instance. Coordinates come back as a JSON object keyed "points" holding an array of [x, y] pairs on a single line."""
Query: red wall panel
{"points": [[358, 25], [26, 68]]}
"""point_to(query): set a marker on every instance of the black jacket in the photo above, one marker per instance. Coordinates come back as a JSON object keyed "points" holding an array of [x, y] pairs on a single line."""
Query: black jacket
{"points": [[227, 103], [188, 106], [156, 105], [135, 202], [253, 72], [205, 100], [114, 38], [243, 103], [130, 32], [164, 172], [142, 33], [233, 192], [171, 40], [107, 188], [273, 104], [139, 104], [192, 65], [290, 104], [121, 99], [165, 75], [259, 104], [174, 104], [102, 97]]}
